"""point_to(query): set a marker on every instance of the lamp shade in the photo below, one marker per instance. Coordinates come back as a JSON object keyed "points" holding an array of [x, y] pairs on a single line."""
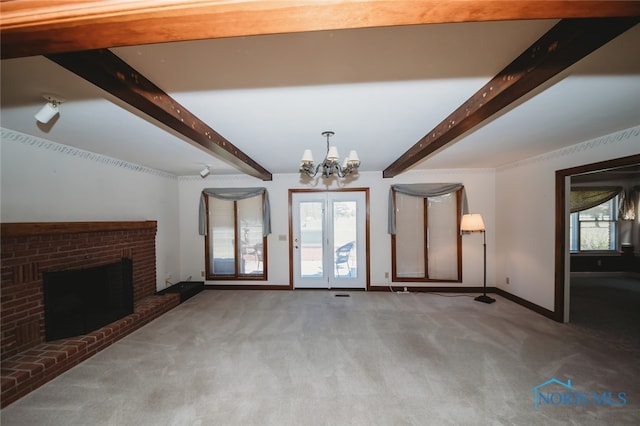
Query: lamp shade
{"points": [[333, 154], [307, 156], [472, 223]]}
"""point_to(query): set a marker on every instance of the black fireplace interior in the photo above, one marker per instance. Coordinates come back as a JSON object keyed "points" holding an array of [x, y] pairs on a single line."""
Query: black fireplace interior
{"points": [[82, 300]]}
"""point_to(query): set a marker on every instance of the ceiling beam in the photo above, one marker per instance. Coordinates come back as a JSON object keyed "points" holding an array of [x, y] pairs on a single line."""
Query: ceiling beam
{"points": [[30, 27], [563, 45], [110, 73]]}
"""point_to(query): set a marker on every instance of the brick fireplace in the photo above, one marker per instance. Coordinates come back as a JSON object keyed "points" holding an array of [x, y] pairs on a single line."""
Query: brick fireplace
{"points": [[28, 250]]}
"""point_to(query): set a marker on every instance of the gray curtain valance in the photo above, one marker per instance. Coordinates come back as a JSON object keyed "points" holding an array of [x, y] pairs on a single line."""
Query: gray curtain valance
{"points": [[423, 190], [583, 198], [235, 194]]}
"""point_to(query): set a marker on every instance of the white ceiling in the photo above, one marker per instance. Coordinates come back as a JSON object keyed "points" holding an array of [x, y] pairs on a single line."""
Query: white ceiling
{"points": [[379, 89]]}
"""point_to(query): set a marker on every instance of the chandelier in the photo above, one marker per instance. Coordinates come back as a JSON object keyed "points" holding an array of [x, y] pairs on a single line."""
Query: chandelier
{"points": [[331, 162]]}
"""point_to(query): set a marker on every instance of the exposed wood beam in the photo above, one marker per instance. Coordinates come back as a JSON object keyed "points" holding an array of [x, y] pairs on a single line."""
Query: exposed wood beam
{"points": [[110, 73], [563, 45], [34, 27]]}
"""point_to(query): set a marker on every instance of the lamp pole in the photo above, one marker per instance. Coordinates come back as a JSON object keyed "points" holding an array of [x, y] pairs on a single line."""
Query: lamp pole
{"points": [[484, 253], [484, 298]]}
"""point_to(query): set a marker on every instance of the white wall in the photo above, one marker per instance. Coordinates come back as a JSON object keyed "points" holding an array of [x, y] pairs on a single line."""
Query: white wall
{"points": [[525, 212], [42, 181], [479, 184]]}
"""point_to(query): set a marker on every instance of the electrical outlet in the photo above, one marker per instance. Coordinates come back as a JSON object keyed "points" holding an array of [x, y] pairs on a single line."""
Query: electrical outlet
{"points": [[386, 275], [507, 280], [202, 273]]}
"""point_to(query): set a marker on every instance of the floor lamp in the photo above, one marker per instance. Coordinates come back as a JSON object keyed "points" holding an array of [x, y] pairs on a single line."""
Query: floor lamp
{"points": [[474, 223]]}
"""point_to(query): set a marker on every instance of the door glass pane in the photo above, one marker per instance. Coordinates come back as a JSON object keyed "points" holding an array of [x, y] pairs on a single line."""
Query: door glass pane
{"points": [[311, 239], [443, 237], [221, 236], [250, 222], [344, 239], [410, 232]]}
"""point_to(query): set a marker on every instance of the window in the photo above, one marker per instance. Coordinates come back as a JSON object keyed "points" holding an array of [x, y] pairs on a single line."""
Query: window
{"points": [[235, 246], [426, 245], [596, 228]]}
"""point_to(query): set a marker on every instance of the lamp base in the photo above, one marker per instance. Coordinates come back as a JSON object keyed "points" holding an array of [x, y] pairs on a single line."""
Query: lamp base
{"points": [[485, 299]]}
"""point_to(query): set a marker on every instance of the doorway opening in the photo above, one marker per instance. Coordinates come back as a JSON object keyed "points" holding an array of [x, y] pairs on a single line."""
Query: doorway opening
{"points": [[563, 277]]}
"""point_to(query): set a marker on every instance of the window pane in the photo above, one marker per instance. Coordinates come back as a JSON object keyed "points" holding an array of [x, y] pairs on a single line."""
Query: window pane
{"points": [[221, 234], [604, 211], [251, 240], [573, 235], [311, 239], [597, 227], [410, 243], [344, 238], [443, 237], [595, 235]]}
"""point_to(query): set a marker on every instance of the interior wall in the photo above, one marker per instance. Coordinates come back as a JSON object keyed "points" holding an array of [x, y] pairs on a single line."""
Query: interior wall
{"points": [[42, 181], [525, 210], [479, 184]]}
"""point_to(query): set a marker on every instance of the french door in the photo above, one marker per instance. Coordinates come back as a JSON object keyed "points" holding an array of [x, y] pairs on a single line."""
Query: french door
{"points": [[329, 239]]}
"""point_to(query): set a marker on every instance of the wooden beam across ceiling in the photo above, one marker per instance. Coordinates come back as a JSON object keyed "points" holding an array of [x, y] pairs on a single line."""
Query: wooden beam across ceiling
{"points": [[107, 71], [36, 27], [563, 45]]}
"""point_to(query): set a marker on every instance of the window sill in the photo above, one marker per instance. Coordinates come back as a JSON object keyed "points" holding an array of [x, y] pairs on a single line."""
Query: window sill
{"points": [[595, 253]]}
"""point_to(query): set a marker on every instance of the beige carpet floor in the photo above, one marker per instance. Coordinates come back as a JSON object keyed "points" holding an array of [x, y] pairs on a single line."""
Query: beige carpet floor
{"points": [[311, 358]]}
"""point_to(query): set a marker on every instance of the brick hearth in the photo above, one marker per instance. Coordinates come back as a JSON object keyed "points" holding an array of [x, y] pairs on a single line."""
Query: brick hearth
{"points": [[28, 249]]}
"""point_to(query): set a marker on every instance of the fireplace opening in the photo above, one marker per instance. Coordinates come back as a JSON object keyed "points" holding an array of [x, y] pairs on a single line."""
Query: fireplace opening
{"points": [[80, 301]]}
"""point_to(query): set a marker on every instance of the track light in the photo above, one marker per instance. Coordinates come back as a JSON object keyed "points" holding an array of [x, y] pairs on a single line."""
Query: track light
{"points": [[205, 172], [48, 111]]}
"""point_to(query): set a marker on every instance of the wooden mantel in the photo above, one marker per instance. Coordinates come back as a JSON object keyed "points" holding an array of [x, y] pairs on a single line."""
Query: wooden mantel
{"points": [[21, 229]]}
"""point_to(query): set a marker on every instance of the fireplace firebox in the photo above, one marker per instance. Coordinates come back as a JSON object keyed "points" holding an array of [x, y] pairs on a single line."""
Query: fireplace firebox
{"points": [[82, 300]]}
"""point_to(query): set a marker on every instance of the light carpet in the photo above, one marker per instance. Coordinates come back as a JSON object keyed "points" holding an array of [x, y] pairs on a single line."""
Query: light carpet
{"points": [[234, 357]]}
